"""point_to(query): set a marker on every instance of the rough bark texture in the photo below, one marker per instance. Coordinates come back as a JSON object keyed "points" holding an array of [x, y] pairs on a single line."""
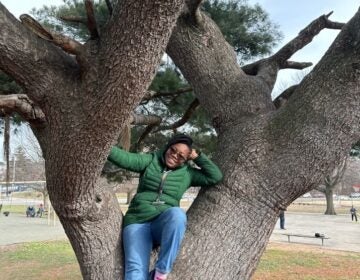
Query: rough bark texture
{"points": [[330, 209], [269, 157], [86, 99]]}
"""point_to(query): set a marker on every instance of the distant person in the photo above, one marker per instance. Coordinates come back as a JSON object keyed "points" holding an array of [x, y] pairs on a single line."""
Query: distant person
{"points": [[30, 211], [40, 211], [282, 219], [353, 213]]}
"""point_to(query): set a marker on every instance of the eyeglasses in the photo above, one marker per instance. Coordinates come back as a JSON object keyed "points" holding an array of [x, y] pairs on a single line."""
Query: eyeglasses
{"points": [[179, 157]]}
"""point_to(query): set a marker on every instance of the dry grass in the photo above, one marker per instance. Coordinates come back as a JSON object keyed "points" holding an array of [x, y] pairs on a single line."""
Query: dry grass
{"points": [[56, 260], [302, 262]]}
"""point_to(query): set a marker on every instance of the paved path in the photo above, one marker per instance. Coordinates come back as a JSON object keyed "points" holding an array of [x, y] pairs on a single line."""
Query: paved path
{"points": [[18, 228], [344, 234]]}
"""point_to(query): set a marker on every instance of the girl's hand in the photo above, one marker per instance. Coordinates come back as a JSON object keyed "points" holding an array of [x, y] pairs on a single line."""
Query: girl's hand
{"points": [[193, 154]]}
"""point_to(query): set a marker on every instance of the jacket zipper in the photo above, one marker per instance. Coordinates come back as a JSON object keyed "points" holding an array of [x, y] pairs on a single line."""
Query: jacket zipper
{"points": [[161, 188]]}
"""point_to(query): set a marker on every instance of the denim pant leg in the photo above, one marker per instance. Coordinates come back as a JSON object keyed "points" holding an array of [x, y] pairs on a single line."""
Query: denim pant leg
{"points": [[138, 244], [168, 230]]}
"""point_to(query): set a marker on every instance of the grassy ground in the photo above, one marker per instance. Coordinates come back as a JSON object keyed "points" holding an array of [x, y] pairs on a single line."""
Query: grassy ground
{"points": [[319, 206], [301, 262], [56, 260], [19, 209], [39, 260]]}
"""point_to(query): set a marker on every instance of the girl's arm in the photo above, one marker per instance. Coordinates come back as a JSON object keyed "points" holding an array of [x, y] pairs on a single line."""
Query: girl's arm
{"points": [[131, 161], [208, 175]]}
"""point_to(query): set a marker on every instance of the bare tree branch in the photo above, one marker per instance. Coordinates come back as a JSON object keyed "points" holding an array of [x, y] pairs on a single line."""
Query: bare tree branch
{"points": [[35, 27], [91, 20], [146, 132], [75, 19], [21, 104], [284, 96], [66, 43], [295, 65], [337, 174], [150, 120], [153, 94], [21, 50], [137, 119], [188, 113], [253, 68], [267, 69], [109, 6], [305, 37], [321, 188]]}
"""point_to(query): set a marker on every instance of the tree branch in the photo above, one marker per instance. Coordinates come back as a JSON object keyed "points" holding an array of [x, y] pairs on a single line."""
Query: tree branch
{"points": [[188, 113], [66, 43], [21, 50], [91, 20], [137, 119], [146, 132], [75, 19], [21, 104], [321, 188], [267, 69], [284, 96], [305, 37], [109, 6], [153, 94], [338, 172], [295, 65]]}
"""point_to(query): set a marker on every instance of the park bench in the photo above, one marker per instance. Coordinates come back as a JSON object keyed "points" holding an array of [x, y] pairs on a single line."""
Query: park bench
{"points": [[322, 237]]}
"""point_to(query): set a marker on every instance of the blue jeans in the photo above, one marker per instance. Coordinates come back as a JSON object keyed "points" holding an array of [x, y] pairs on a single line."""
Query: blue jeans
{"points": [[166, 230]]}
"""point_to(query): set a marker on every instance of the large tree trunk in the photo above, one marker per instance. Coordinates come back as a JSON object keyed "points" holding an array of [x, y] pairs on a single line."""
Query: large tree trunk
{"points": [[269, 157], [330, 209], [77, 105]]}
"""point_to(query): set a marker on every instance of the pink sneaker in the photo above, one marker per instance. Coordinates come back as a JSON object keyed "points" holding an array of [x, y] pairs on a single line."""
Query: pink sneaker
{"points": [[159, 276]]}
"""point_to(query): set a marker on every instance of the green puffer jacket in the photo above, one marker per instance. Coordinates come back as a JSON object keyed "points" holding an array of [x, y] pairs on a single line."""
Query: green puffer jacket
{"points": [[147, 204]]}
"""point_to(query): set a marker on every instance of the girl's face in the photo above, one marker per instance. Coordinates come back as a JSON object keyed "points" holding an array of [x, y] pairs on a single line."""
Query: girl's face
{"points": [[176, 155]]}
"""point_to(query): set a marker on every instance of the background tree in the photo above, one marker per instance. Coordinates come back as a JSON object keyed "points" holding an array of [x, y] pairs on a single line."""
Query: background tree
{"points": [[351, 176], [330, 182], [247, 28]]}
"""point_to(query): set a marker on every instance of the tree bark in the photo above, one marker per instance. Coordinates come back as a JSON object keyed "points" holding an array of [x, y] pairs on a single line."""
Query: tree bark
{"points": [[269, 157], [330, 209], [86, 98]]}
